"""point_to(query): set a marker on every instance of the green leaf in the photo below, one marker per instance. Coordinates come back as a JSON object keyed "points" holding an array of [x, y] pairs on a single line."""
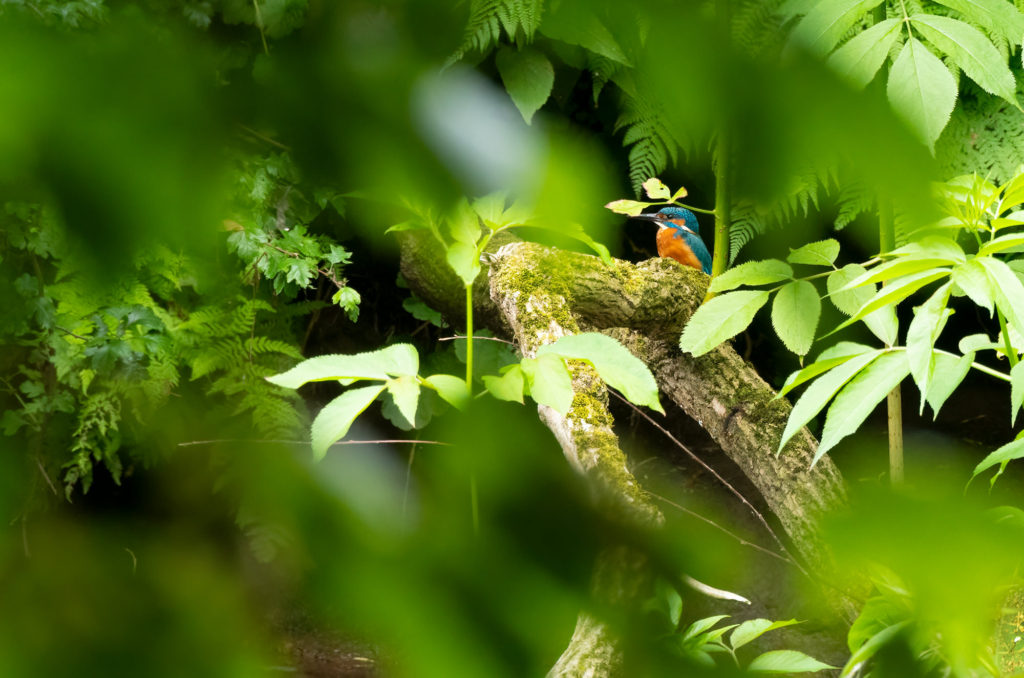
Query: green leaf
{"points": [[619, 368], [509, 386], [398, 360], [922, 90], [451, 389], [925, 327], [973, 280], [817, 395], [586, 30], [949, 372], [828, 21], [873, 645], [1008, 291], [976, 342], [656, 190], [859, 59], [549, 382], [464, 260], [998, 16], [528, 78], [795, 314], [821, 253], [786, 661], [829, 358], [846, 297], [755, 628], [406, 393], [334, 420], [628, 207], [894, 293], [1003, 242], [752, 273], [858, 399], [1016, 391], [719, 319], [1014, 192], [970, 50], [1008, 452], [701, 625], [464, 224]]}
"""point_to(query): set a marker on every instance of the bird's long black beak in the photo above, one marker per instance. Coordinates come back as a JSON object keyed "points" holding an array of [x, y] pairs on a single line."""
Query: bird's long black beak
{"points": [[647, 217]]}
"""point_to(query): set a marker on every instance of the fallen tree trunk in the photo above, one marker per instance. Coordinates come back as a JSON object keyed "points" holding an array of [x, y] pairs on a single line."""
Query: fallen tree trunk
{"points": [[536, 294]]}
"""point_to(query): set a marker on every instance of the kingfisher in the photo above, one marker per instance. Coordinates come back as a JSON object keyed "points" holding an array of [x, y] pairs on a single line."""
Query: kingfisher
{"points": [[679, 237]]}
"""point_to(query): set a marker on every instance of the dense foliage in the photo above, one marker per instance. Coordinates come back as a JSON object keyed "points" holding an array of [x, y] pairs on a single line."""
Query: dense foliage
{"points": [[199, 208]]}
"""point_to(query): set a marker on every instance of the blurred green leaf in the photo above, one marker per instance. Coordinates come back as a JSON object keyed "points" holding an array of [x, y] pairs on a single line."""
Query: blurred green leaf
{"points": [[753, 629], [786, 661], [859, 59], [827, 22], [528, 78]]}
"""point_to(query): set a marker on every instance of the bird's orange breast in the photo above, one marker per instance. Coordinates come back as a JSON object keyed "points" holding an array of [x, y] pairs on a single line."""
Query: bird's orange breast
{"points": [[676, 248]]}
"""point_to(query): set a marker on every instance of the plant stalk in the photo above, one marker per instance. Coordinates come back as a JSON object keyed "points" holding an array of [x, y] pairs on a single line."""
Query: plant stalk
{"points": [[723, 198], [894, 403], [469, 339]]}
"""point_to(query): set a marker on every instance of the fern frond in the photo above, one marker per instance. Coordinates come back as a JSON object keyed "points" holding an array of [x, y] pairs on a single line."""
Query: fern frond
{"points": [[653, 145], [487, 18]]}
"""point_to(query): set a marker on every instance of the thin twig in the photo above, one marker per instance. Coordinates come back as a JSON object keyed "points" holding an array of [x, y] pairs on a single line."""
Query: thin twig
{"points": [[264, 138], [306, 442], [757, 514], [504, 341], [69, 332], [259, 25], [46, 476], [721, 528]]}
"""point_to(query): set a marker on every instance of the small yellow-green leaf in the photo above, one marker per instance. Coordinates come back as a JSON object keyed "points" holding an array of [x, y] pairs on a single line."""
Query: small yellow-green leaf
{"points": [[925, 327], [628, 207], [755, 628], [656, 190]]}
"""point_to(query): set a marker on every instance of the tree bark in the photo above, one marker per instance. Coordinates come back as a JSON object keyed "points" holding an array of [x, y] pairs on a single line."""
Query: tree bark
{"points": [[537, 294]]}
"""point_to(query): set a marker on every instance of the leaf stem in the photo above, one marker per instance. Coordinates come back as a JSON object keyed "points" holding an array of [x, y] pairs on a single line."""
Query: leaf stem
{"points": [[894, 402], [1011, 353], [692, 208], [469, 339]]}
